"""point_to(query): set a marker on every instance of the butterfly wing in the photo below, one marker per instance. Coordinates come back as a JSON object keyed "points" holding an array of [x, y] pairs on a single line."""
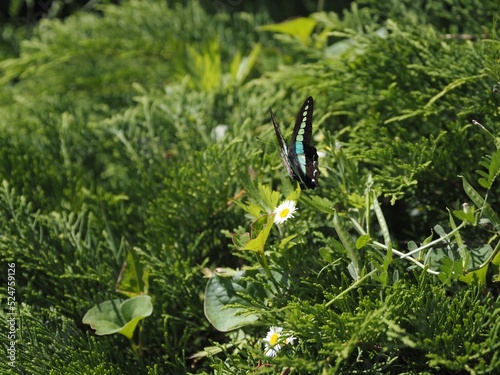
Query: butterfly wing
{"points": [[283, 147], [302, 157]]}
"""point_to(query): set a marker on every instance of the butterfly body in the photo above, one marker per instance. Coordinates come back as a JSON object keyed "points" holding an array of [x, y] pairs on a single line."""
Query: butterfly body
{"points": [[300, 158]]}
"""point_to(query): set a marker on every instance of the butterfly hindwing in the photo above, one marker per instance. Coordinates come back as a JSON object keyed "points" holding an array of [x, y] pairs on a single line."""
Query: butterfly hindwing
{"points": [[300, 158]]}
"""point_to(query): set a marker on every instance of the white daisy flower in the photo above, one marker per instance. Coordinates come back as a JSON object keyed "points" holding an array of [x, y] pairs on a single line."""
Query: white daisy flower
{"points": [[284, 211], [275, 339], [272, 341]]}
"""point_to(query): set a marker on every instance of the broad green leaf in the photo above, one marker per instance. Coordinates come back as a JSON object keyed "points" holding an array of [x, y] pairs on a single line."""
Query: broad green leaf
{"points": [[383, 275], [480, 256], [479, 275], [117, 316], [223, 291], [241, 240], [257, 244], [258, 225], [478, 262]]}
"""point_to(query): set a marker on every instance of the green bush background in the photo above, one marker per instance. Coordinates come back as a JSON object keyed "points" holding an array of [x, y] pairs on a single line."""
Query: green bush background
{"points": [[109, 142]]}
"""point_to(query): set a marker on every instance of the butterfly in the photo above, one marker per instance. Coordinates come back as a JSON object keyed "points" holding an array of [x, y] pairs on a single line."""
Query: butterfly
{"points": [[300, 159]]}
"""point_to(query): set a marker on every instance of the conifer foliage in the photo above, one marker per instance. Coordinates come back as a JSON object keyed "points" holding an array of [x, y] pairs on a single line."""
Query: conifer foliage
{"points": [[142, 188]]}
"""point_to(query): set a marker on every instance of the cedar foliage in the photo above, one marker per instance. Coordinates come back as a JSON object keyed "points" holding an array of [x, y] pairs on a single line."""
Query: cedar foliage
{"points": [[110, 140]]}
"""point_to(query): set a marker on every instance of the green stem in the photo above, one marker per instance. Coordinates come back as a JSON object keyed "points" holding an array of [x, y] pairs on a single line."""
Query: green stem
{"points": [[407, 256], [436, 241], [411, 259], [487, 261], [136, 349], [265, 266]]}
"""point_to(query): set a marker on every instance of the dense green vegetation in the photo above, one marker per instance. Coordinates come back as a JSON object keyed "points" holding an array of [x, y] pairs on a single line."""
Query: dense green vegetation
{"points": [[142, 130]]}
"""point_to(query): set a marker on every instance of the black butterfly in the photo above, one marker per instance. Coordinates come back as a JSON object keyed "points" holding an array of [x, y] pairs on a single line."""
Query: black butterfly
{"points": [[300, 159]]}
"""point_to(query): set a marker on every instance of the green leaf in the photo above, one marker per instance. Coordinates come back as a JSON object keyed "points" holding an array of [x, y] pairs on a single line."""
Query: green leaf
{"points": [[427, 240], [251, 208], [294, 194], [479, 276], [257, 244], [284, 242], [492, 164], [319, 203], [241, 239], [223, 291], [269, 197], [362, 241], [457, 236], [479, 261], [478, 200], [450, 270], [326, 254], [133, 278], [349, 245], [440, 231], [496, 258], [467, 215], [300, 27], [411, 246], [357, 200], [381, 221], [116, 316], [241, 67], [265, 199]]}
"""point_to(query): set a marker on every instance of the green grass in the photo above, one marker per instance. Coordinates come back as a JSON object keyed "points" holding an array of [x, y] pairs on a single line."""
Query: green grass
{"points": [[145, 128]]}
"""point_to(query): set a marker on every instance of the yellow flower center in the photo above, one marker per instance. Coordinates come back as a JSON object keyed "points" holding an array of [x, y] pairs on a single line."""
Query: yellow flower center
{"points": [[274, 338], [284, 212]]}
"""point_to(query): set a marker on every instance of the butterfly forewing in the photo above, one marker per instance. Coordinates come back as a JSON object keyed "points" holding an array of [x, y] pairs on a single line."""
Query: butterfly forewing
{"points": [[303, 157], [300, 159], [303, 123]]}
